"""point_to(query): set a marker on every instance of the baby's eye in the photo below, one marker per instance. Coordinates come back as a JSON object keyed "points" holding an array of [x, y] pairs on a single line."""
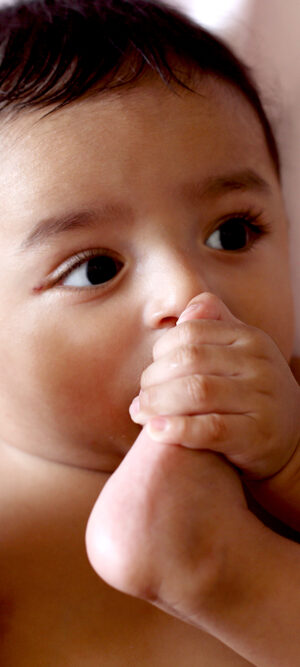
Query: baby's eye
{"points": [[93, 271], [236, 233]]}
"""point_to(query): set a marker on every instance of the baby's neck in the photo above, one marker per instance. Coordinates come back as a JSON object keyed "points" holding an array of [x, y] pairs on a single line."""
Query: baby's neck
{"points": [[47, 586], [47, 502]]}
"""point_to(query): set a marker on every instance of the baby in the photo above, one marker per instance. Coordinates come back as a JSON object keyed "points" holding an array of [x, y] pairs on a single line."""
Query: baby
{"points": [[140, 176]]}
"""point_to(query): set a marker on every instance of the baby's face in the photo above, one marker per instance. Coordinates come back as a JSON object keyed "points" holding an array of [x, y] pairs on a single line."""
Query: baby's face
{"points": [[115, 212]]}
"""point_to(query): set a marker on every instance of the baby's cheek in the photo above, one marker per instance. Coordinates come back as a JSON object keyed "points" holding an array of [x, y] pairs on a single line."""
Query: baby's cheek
{"points": [[66, 386], [76, 379], [86, 389]]}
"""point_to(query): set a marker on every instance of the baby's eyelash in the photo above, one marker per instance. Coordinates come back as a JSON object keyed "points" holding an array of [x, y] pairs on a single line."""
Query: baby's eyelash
{"points": [[237, 232], [253, 219], [74, 262]]}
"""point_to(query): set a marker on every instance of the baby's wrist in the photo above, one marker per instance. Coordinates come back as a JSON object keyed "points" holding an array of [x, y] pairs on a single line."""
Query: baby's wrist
{"points": [[221, 580], [252, 592], [280, 494], [233, 584]]}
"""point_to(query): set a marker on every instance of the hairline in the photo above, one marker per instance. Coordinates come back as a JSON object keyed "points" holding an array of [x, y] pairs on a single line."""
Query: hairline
{"points": [[188, 83]]}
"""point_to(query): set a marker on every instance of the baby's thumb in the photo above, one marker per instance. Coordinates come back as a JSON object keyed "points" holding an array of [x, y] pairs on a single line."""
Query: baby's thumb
{"points": [[206, 306]]}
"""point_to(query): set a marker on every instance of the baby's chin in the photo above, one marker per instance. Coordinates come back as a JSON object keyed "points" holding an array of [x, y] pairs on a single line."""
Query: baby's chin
{"points": [[97, 456], [105, 453], [97, 442]]}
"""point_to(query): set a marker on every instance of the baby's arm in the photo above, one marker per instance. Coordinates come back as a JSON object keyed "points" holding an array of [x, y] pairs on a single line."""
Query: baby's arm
{"points": [[172, 527], [219, 384]]}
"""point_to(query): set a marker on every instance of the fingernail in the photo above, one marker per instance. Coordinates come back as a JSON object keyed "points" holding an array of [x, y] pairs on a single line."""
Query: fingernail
{"points": [[193, 306], [159, 423]]}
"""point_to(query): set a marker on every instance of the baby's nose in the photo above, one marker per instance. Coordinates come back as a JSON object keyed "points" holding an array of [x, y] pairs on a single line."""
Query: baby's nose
{"points": [[169, 292]]}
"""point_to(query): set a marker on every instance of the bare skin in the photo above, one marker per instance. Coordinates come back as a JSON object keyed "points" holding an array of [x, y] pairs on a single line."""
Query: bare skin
{"points": [[217, 384], [72, 354], [54, 608], [157, 191], [181, 537]]}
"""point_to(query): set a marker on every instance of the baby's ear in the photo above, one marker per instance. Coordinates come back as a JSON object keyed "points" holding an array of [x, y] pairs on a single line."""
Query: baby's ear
{"points": [[206, 306]]}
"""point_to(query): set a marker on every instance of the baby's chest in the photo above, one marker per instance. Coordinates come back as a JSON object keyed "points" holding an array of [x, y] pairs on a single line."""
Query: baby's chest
{"points": [[36, 638]]}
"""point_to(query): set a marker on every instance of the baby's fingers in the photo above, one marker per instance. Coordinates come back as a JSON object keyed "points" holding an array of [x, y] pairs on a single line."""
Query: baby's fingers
{"points": [[226, 434], [192, 395], [206, 320], [196, 359]]}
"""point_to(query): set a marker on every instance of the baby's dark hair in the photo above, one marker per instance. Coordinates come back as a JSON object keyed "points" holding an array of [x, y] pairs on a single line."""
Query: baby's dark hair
{"points": [[53, 52]]}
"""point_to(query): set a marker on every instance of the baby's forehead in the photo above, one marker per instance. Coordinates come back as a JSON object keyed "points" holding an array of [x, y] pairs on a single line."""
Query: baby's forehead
{"points": [[124, 138], [150, 98]]}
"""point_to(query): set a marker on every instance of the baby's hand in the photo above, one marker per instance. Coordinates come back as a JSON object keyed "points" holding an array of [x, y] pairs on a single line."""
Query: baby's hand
{"points": [[221, 385]]}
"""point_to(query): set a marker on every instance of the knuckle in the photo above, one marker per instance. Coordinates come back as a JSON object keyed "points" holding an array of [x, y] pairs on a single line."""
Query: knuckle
{"points": [[198, 389], [253, 337], [143, 380], [217, 428], [181, 428], [256, 341], [148, 399], [145, 377], [187, 355], [187, 333]]}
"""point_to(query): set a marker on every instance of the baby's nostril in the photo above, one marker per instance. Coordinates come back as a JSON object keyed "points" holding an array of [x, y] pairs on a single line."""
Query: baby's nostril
{"points": [[171, 321]]}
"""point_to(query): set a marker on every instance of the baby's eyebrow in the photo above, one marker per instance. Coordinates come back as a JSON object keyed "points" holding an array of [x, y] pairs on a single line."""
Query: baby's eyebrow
{"points": [[73, 220], [216, 186], [211, 187]]}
